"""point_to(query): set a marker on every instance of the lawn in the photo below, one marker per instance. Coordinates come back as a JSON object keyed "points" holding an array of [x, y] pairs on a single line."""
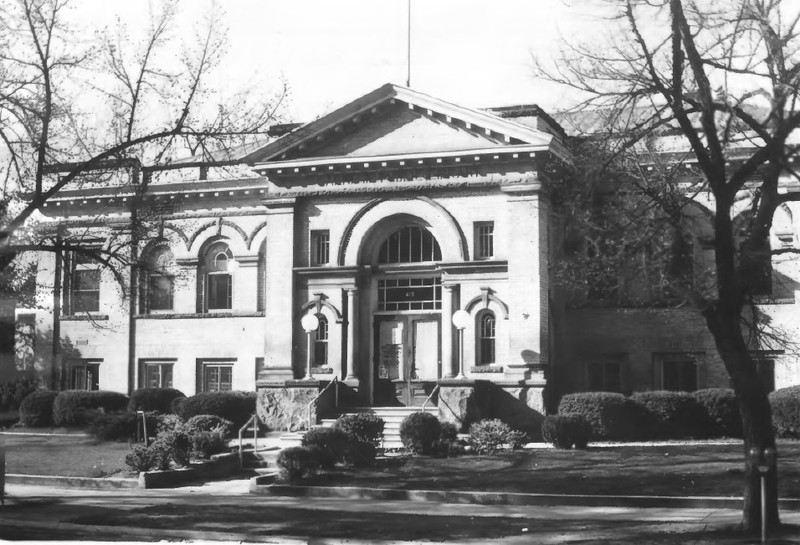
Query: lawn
{"points": [[676, 470], [76, 456]]}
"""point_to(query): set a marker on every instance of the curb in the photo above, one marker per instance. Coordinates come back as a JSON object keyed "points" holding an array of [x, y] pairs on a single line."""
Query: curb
{"points": [[71, 482], [509, 498]]}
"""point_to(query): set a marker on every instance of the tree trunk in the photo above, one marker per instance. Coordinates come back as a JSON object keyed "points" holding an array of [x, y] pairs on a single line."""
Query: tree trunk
{"points": [[756, 418]]}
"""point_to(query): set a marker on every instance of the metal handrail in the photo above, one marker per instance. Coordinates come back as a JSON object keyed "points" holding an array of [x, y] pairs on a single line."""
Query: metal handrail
{"points": [[254, 420], [429, 398], [334, 380]]}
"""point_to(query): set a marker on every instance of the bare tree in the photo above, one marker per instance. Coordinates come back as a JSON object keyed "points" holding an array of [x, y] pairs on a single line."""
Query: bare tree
{"points": [[724, 76]]}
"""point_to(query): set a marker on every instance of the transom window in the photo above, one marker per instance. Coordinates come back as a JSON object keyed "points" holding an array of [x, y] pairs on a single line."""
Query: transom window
{"points": [[486, 338], [410, 244], [410, 294]]}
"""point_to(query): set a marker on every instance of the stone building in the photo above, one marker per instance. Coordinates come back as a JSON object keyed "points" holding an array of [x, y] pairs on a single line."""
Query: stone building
{"points": [[381, 219]]}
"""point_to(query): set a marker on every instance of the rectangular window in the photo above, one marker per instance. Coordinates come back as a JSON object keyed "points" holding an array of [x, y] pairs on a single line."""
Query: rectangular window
{"points": [[159, 292], [217, 376], [603, 376], [679, 375], [320, 247], [765, 367], [84, 375], [410, 294], [82, 284], [157, 374], [484, 239], [219, 291]]}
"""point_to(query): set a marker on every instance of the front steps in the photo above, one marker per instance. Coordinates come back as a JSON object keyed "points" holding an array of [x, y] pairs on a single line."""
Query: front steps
{"points": [[392, 417]]}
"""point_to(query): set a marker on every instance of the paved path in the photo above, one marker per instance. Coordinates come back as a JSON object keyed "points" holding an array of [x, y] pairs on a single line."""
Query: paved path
{"points": [[226, 511]]}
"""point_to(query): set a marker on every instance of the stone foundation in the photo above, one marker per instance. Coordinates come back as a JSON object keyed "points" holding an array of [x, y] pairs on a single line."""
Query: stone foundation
{"points": [[461, 402], [284, 405]]}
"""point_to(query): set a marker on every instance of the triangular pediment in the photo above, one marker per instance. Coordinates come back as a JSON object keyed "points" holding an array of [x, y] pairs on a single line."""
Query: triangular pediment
{"points": [[393, 121]]}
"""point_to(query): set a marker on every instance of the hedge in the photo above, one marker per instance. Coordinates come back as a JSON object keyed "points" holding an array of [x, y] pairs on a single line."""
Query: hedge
{"points": [[122, 426], [611, 416], [676, 415], [154, 399], [80, 407], [721, 411], [13, 392], [36, 410], [566, 431], [786, 412], [237, 407]]}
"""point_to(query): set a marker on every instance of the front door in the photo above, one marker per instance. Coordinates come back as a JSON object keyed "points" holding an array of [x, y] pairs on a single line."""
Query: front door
{"points": [[406, 349]]}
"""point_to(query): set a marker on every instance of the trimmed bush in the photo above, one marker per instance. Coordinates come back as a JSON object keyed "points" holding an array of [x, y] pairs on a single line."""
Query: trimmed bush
{"points": [[419, 432], [121, 426], [296, 463], [80, 407], [154, 399], [208, 422], [786, 412], [566, 431], [13, 392], [237, 407], [207, 443], [721, 412], [489, 436], [676, 415], [36, 410], [141, 458], [611, 416], [166, 422], [327, 445], [360, 454], [362, 427], [177, 444]]}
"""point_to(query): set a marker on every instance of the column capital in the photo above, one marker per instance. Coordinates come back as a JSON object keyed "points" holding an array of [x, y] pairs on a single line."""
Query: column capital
{"points": [[450, 287]]}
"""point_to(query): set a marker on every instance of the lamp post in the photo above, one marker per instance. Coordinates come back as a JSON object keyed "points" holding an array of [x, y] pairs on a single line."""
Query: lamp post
{"points": [[461, 320], [310, 324], [765, 460]]}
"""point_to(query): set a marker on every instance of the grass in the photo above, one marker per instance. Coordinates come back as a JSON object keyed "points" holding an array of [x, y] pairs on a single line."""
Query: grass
{"points": [[77, 456], [676, 470]]}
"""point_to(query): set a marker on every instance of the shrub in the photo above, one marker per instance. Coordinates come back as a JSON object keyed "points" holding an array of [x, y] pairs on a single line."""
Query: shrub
{"points": [[176, 446], [79, 407], [296, 463], [566, 431], [786, 412], [13, 392], [207, 443], [721, 412], [327, 445], [360, 454], [609, 415], [449, 433], [676, 415], [176, 404], [208, 422], [121, 426], [36, 410], [419, 432], [237, 407], [362, 427], [489, 436], [154, 399], [140, 458], [166, 422]]}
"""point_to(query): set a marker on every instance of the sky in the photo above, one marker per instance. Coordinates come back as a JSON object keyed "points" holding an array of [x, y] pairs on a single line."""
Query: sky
{"points": [[475, 53]]}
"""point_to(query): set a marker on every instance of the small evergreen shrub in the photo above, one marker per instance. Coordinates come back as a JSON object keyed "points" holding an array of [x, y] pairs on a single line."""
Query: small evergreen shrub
{"points": [[79, 407], [165, 422], [176, 405], [176, 444], [611, 416], [121, 426], [566, 431], [721, 412], [209, 422], [296, 463], [489, 436], [140, 458], [154, 399], [36, 410], [676, 415], [786, 412], [362, 427], [207, 443], [237, 407], [420, 432], [327, 445], [360, 454], [13, 392]]}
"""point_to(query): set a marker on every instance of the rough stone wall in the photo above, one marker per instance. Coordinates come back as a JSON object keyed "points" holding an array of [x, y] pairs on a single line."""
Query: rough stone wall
{"points": [[285, 408]]}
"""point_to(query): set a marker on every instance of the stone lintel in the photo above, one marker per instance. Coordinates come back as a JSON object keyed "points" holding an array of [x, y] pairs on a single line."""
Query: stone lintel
{"points": [[456, 383]]}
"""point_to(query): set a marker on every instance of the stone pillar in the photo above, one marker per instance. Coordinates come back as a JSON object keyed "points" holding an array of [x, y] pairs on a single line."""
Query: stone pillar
{"points": [[447, 331], [352, 304], [279, 320]]}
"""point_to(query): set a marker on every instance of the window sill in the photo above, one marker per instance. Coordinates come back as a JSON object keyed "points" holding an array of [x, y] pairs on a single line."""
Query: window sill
{"points": [[84, 317], [175, 316], [486, 369], [321, 370]]}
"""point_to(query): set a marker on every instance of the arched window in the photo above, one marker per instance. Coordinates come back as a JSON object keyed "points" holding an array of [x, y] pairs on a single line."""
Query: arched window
{"points": [[321, 343], [486, 338], [158, 280], [410, 244], [217, 268]]}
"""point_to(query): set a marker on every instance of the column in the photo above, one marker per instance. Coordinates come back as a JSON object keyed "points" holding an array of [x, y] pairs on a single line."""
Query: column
{"points": [[352, 304], [280, 315], [447, 331]]}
